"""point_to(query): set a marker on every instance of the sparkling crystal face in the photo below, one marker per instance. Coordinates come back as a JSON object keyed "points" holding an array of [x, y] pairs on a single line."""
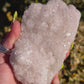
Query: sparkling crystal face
{"points": [[47, 32]]}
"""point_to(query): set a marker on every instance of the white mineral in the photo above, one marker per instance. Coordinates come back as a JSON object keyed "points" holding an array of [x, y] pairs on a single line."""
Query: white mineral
{"points": [[47, 32]]}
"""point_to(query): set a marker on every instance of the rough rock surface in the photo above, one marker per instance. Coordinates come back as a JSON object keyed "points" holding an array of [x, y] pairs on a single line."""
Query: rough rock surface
{"points": [[47, 32]]}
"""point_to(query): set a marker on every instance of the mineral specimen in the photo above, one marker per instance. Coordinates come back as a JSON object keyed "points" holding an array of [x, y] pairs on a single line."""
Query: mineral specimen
{"points": [[47, 32]]}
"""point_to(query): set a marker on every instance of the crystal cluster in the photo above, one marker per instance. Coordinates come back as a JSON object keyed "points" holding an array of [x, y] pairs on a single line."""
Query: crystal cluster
{"points": [[47, 32]]}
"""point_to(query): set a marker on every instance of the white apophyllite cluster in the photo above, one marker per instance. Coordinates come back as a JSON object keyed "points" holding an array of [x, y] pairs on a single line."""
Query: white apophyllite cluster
{"points": [[47, 32]]}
